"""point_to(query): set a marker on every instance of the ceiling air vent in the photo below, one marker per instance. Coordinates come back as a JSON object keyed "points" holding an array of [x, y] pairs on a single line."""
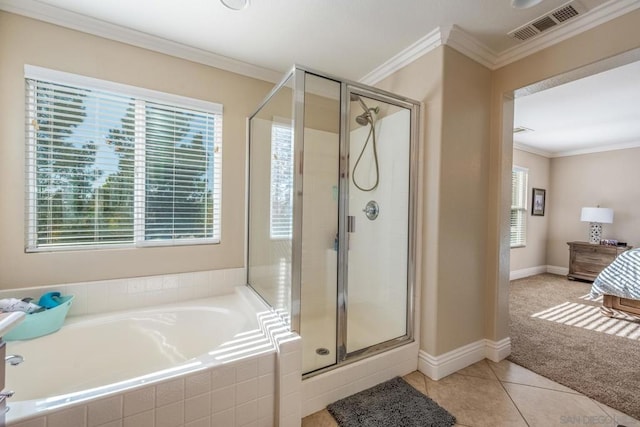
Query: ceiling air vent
{"points": [[565, 12], [544, 24], [552, 19]]}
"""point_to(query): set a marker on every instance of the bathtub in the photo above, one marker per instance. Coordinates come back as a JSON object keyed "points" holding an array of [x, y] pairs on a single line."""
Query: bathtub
{"points": [[167, 365]]}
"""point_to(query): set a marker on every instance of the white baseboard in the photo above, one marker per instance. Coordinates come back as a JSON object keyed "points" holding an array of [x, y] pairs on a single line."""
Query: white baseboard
{"points": [[532, 271], [554, 269], [526, 272], [438, 367], [497, 350]]}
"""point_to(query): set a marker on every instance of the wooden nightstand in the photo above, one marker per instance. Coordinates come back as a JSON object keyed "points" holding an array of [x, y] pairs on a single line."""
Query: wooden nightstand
{"points": [[586, 260]]}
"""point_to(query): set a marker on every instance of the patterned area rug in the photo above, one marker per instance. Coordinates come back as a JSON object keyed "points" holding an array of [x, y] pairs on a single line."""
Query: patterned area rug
{"points": [[392, 403]]}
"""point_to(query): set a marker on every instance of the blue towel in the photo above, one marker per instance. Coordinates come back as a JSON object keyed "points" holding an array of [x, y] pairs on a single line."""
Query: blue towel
{"points": [[49, 300]]}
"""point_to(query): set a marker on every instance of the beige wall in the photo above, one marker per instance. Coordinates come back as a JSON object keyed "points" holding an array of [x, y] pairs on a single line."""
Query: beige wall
{"points": [[614, 37], [456, 92], [466, 159], [26, 41], [463, 213], [608, 179], [534, 254]]}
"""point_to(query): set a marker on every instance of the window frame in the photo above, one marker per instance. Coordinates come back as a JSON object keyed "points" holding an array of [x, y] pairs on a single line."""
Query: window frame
{"points": [[519, 206], [283, 124], [139, 95]]}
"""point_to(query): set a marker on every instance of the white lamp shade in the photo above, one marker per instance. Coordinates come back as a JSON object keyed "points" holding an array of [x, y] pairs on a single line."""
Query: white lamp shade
{"points": [[601, 215]]}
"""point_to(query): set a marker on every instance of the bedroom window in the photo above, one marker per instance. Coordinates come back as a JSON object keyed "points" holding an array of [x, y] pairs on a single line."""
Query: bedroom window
{"points": [[518, 206], [114, 165], [281, 189]]}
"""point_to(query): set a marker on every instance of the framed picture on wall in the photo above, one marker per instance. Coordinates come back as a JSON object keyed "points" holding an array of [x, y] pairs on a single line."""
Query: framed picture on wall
{"points": [[538, 202]]}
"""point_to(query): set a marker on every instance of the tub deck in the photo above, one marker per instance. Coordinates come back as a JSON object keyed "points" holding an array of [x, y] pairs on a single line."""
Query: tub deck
{"points": [[100, 355]]}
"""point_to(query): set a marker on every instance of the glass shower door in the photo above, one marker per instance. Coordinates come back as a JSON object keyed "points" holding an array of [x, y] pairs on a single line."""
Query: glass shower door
{"points": [[319, 274], [379, 153]]}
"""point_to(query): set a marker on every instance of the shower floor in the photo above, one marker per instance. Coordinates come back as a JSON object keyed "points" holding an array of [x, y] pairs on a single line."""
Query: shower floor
{"points": [[364, 330]]}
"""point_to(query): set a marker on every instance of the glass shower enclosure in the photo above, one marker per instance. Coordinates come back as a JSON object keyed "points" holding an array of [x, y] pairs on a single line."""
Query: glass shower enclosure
{"points": [[332, 175]]}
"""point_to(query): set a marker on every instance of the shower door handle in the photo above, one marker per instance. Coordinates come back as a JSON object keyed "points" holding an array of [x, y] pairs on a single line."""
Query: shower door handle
{"points": [[351, 224]]}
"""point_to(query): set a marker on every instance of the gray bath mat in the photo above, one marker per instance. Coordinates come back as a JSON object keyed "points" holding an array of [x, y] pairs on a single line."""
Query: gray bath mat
{"points": [[392, 403]]}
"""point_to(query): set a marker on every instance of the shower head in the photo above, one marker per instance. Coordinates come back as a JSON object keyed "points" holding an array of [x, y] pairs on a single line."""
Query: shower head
{"points": [[363, 119]]}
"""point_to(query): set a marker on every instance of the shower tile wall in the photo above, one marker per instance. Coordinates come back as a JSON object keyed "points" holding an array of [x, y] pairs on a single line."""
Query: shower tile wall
{"points": [[377, 296]]}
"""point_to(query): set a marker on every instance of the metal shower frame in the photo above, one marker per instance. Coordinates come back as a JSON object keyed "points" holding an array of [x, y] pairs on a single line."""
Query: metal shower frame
{"points": [[347, 87]]}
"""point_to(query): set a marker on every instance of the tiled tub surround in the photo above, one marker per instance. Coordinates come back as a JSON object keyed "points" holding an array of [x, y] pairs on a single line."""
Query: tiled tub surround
{"points": [[237, 383], [236, 394]]}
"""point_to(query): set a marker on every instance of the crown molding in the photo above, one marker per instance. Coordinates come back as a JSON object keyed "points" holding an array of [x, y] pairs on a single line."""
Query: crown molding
{"points": [[468, 45], [532, 150], [596, 149], [456, 38], [76, 21], [568, 153], [405, 57], [591, 19], [452, 36]]}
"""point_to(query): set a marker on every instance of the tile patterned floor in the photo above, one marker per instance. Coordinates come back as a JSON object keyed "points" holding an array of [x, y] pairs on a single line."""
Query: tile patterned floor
{"points": [[505, 394]]}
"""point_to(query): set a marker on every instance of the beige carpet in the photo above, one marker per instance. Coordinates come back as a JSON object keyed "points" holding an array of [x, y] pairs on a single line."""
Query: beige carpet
{"points": [[559, 334]]}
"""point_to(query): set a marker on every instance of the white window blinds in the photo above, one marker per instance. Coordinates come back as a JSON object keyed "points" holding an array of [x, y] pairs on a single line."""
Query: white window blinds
{"points": [[518, 206], [281, 189], [106, 168]]}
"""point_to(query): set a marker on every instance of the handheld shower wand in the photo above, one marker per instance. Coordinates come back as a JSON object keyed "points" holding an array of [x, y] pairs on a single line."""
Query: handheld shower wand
{"points": [[364, 119]]}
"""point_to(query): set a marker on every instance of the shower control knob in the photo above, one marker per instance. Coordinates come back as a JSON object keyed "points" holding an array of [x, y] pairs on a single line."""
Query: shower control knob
{"points": [[371, 210]]}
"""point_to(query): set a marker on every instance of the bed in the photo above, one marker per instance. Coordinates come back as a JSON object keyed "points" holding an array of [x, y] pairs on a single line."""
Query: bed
{"points": [[619, 285]]}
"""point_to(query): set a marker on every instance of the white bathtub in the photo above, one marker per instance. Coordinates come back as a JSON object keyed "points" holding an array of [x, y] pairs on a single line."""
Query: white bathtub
{"points": [[99, 358]]}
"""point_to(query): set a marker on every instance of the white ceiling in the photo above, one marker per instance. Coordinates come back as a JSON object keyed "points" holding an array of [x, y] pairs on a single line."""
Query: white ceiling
{"points": [[365, 39], [595, 113], [347, 38]]}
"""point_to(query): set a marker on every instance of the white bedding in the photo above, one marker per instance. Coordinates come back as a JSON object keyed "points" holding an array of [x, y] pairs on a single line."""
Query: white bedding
{"points": [[621, 278]]}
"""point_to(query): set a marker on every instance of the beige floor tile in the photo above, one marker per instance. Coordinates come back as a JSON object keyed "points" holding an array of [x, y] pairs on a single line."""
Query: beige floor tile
{"points": [[480, 370], [474, 401], [544, 407], [417, 381], [509, 372], [618, 417], [319, 419]]}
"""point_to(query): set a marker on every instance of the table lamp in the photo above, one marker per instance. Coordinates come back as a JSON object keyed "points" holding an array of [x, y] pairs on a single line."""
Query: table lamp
{"points": [[597, 217]]}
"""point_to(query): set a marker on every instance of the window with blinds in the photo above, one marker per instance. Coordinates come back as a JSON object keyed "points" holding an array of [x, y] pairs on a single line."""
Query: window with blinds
{"points": [[518, 206], [281, 188], [110, 164]]}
